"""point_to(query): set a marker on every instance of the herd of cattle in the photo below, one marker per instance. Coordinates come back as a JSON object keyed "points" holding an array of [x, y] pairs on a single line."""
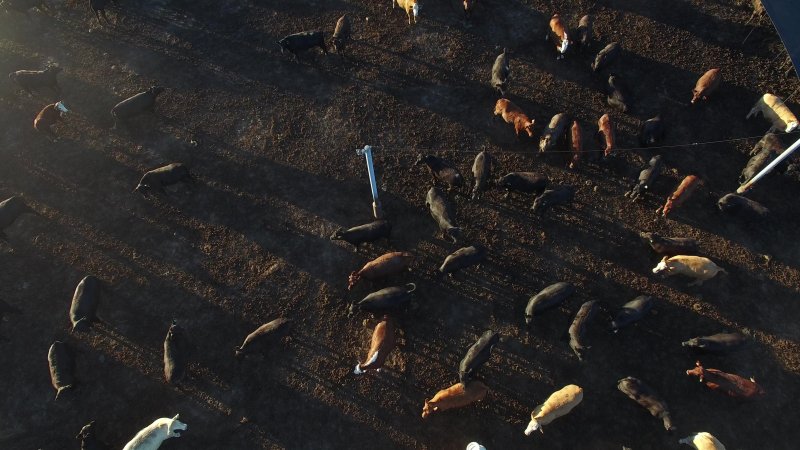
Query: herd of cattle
{"points": [[679, 254]]}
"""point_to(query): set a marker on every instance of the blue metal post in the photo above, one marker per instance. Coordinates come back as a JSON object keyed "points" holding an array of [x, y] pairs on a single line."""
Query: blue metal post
{"points": [[373, 183]]}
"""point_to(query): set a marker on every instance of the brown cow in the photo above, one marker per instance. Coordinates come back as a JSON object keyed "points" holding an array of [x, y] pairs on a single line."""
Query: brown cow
{"points": [[455, 396], [511, 113], [559, 34], [726, 383], [383, 342], [606, 130], [706, 85], [48, 116], [576, 144], [681, 194], [383, 266]]}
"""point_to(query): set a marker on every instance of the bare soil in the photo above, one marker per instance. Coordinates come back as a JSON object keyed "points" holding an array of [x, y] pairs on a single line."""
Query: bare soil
{"points": [[272, 145]]}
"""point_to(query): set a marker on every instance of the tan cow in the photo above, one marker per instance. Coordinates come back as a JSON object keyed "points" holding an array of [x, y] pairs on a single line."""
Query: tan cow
{"points": [[560, 403], [511, 113], [383, 342], [411, 8], [706, 85], [681, 194], [702, 441], [773, 108], [455, 396], [698, 267], [606, 130]]}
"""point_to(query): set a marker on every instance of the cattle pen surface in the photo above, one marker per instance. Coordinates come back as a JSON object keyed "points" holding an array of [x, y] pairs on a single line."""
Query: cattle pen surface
{"points": [[270, 143]]}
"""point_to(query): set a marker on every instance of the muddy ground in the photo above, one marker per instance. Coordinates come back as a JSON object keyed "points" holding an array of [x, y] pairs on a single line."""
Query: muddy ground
{"points": [[272, 145]]}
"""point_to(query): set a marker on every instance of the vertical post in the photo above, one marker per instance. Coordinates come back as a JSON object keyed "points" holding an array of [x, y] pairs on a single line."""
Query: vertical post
{"points": [[373, 183], [788, 152]]}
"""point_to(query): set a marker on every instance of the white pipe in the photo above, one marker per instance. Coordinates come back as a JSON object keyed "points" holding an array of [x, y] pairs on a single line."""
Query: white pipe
{"points": [[788, 152], [373, 183]]}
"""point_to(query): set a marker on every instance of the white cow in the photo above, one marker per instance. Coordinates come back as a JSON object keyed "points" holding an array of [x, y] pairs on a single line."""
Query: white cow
{"points": [[151, 436]]}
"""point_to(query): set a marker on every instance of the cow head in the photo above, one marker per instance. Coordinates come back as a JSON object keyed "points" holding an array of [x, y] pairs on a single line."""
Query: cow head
{"points": [[529, 128], [175, 427], [696, 371], [662, 266], [533, 425], [61, 108], [86, 432], [695, 96], [337, 235], [428, 409], [791, 126]]}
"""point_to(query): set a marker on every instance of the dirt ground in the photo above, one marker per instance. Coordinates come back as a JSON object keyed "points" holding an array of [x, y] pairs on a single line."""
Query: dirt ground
{"points": [[272, 144]]}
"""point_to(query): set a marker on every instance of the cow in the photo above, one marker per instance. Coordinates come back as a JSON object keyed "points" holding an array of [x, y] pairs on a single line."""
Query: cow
{"points": [[152, 436], [411, 7], [702, 441], [743, 208], [176, 353], [456, 396], [88, 438], [48, 117], [299, 42], [135, 105], [646, 178], [576, 144], [31, 80], [706, 85], [631, 312], [698, 267], [682, 193], [482, 172], [469, 7], [381, 267], [717, 343], [391, 299], [62, 367], [10, 209], [155, 180], [341, 34], [547, 298], [773, 109], [726, 383], [558, 404], [264, 337], [500, 73], [463, 258], [441, 170], [648, 398], [442, 212], [370, 232], [477, 355], [578, 328], [606, 56], [525, 182], [617, 93], [670, 246], [83, 310], [554, 132], [383, 342], [584, 31], [651, 131], [512, 114], [554, 196], [605, 132], [560, 35]]}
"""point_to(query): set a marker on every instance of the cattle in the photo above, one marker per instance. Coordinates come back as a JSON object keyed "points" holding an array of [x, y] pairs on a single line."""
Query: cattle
{"points": [[525, 182], [463, 258], [99, 8], [651, 131], [442, 212], [88, 438], [743, 208], [469, 7], [10, 209], [717, 343], [152, 436], [512, 114], [645, 396], [62, 367], [632, 312], [383, 342], [299, 42], [774, 110], [770, 142], [702, 441], [387, 300], [584, 31], [605, 132], [456, 396], [482, 172], [547, 298], [477, 355], [617, 93], [755, 164], [558, 404], [554, 132], [411, 7], [706, 85], [381, 267], [576, 144], [500, 73], [441, 170], [559, 34], [698, 267], [370, 232], [554, 196], [31, 80], [264, 337], [155, 180], [606, 56], [646, 178], [670, 246], [578, 328], [682, 193], [341, 34], [48, 117], [135, 105], [22, 6], [726, 383], [176, 353], [83, 310]]}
